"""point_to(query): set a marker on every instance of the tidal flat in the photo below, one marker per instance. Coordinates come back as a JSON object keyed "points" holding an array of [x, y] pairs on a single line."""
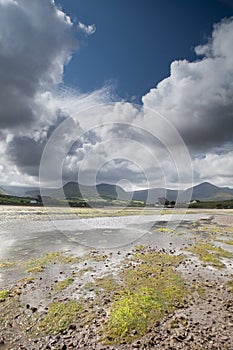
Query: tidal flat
{"points": [[134, 280]]}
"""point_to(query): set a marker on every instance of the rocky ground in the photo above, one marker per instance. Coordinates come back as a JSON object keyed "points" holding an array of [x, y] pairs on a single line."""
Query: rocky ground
{"points": [[146, 297]]}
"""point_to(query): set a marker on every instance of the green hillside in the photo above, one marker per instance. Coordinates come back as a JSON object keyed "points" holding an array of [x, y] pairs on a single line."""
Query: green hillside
{"points": [[13, 200]]}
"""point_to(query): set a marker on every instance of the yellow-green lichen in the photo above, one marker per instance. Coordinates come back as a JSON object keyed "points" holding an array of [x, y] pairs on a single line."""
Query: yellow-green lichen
{"points": [[107, 284], [60, 316], [210, 254], [149, 288], [164, 230], [3, 295], [7, 264], [61, 285], [230, 285], [38, 265], [229, 242]]}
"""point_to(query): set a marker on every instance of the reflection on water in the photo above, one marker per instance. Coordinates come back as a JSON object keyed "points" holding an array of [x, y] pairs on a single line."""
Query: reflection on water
{"points": [[23, 239]]}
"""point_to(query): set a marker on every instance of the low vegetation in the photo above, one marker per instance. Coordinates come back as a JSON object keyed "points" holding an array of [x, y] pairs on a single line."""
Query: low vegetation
{"points": [[3, 295], [38, 265], [230, 284], [60, 315], [225, 241], [226, 204], [13, 200], [61, 285], [150, 288], [209, 254], [7, 264]]}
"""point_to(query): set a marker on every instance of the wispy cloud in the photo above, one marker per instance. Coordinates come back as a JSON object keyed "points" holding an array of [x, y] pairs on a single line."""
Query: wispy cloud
{"points": [[87, 29]]}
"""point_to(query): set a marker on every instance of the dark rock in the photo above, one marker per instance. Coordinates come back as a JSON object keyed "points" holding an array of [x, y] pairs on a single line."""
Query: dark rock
{"points": [[73, 326]]}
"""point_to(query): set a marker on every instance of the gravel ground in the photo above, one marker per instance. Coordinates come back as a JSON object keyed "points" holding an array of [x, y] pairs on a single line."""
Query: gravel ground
{"points": [[224, 219]]}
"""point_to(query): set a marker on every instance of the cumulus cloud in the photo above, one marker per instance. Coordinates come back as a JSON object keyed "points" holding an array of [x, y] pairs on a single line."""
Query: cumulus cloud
{"points": [[197, 96], [87, 29], [216, 168], [36, 40]]}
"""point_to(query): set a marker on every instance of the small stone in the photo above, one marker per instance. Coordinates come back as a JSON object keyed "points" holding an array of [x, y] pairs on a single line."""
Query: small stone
{"points": [[73, 326], [190, 337], [223, 339], [63, 347]]}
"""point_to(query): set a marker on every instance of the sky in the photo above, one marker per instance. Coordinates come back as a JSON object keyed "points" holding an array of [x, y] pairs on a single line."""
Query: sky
{"points": [[133, 92]]}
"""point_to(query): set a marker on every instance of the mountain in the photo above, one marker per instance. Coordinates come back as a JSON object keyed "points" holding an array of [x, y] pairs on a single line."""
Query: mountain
{"points": [[75, 190], [209, 192], [152, 195], [203, 192], [19, 191]]}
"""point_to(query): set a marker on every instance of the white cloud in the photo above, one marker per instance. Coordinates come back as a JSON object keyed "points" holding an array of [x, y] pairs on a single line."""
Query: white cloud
{"points": [[87, 29], [36, 41], [216, 168], [197, 96]]}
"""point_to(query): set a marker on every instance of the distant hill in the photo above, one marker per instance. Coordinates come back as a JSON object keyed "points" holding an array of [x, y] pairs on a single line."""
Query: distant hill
{"points": [[209, 192], [74, 190], [152, 195], [19, 191], [203, 192]]}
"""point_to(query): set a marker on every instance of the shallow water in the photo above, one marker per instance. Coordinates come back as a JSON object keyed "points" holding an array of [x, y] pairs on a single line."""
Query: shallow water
{"points": [[24, 239]]}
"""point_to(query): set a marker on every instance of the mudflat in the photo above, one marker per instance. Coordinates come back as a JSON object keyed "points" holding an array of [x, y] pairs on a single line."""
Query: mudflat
{"points": [[116, 279]]}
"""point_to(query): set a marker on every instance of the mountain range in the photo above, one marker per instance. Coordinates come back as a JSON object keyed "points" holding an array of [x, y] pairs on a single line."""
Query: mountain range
{"points": [[203, 192]]}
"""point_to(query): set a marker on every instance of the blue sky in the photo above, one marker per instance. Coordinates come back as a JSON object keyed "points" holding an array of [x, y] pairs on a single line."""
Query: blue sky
{"points": [[136, 41]]}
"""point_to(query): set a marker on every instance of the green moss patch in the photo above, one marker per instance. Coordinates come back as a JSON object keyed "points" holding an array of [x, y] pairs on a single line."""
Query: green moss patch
{"points": [[164, 230], [150, 288], [38, 265], [60, 316], [61, 285], [99, 257], [107, 284], [7, 264], [210, 254], [3, 295], [229, 242]]}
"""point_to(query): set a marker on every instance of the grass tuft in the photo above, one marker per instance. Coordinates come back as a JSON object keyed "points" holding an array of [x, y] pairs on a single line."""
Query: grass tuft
{"points": [[60, 316], [7, 264], [61, 285], [150, 288], [3, 295], [38, 265], [210, 254]]}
